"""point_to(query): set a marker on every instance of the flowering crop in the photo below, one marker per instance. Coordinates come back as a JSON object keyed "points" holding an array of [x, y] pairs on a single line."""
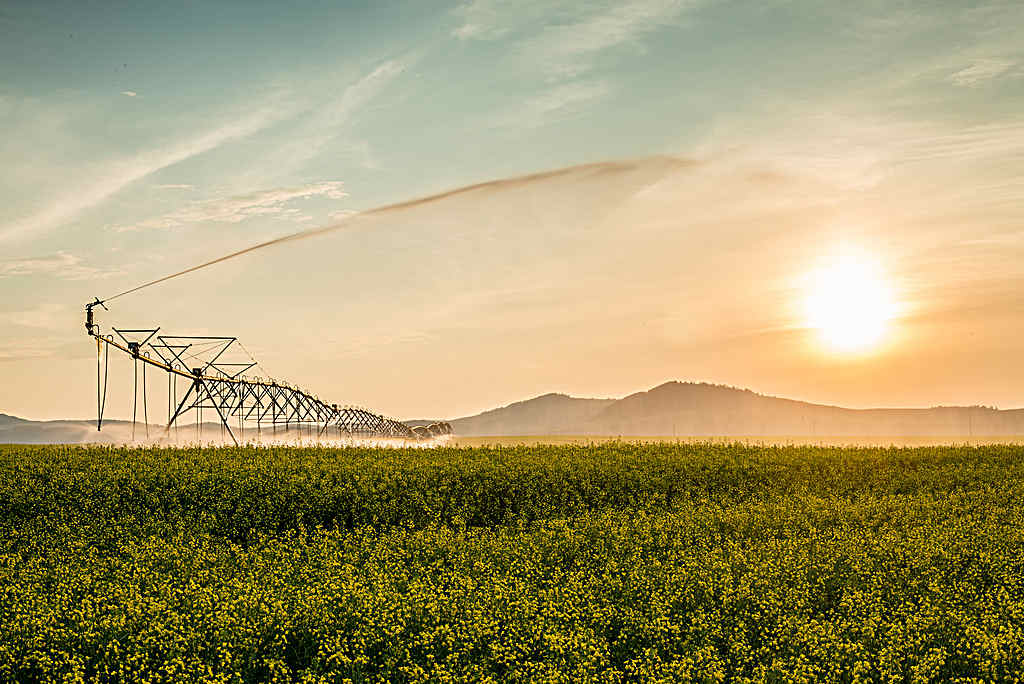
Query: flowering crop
{"points": [[615, 562]]}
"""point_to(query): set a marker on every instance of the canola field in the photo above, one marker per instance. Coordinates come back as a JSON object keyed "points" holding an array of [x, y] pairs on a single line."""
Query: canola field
{"points": [[612, 562]]}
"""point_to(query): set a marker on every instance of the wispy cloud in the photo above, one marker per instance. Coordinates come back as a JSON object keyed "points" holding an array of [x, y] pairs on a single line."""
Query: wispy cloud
{"points": [[560, 42], [492, 19], [989, 141], [241, 207], [117, 175], [59, 265], [32, 348], [571, 48], [980, 71], [129, 93], [46, 316], [562, 37], [174, 186], [341, 214], [851, 150], [555, 104], [325, 122], [474, 18], [363, 344]]}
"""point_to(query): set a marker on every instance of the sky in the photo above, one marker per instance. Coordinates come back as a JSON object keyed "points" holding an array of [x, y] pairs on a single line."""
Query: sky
{"points": [[723, 164]]}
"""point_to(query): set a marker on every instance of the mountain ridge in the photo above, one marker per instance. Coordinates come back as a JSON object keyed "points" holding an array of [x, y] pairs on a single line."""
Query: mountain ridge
{"points": [[673, 408], [705, 409]]}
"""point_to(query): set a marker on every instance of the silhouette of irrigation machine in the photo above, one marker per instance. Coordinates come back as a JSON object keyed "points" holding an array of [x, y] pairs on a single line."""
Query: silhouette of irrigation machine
{"points": [[211, 380], [207, 373]]}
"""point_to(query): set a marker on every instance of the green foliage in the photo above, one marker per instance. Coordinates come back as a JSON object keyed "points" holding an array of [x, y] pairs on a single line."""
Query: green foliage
{"points": [[615, 562]]}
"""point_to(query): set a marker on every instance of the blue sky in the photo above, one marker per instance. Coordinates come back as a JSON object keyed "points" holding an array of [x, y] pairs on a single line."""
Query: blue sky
{"points": [[144, 137]]}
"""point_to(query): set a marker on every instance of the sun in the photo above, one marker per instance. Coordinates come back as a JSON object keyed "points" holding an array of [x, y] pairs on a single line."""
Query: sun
{"points": [[849, 303]]}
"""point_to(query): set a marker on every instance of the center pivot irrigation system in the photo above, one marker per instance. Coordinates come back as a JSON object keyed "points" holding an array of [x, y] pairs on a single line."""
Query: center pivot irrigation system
{"points": [[209, 373]]}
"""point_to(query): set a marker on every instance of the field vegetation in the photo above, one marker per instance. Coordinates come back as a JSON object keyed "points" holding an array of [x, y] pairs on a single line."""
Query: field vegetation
{"points": [[612, 562]]}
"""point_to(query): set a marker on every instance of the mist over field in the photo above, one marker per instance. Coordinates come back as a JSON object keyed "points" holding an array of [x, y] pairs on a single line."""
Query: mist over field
{"points": [[671, 410]]}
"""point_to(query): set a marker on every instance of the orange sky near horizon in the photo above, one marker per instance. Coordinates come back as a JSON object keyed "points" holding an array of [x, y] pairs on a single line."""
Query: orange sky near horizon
{"points": [[604, 281]]}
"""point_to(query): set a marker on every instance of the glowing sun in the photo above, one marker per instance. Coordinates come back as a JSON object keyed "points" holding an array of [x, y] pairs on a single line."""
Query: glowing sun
{"points": [[849, 303]]}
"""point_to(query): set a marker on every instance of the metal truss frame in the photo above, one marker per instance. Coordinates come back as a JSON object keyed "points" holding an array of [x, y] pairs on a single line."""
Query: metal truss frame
{"points": [[239, 400]]}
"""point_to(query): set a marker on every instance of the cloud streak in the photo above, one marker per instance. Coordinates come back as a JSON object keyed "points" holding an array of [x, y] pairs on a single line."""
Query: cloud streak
{"points": [[118, 175], [557, 37], [562, 43], [241, 207], [45, 316], [570, 48], [980, 71], [326, 122], [31, 348], [486, 20], [59, 265], [988, 141], [554, 104]]}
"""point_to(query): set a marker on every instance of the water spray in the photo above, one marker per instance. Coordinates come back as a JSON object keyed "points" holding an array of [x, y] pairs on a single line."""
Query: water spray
{"points": [[227, 389]]}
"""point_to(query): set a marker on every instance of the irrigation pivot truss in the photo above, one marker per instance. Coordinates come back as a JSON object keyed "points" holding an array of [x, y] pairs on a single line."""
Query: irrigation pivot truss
{"points": [[212, 372]]}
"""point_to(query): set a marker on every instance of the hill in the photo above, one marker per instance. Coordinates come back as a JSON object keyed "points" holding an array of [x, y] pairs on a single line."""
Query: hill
{"points": [[673, 408], [685, 408], [548, 414]]}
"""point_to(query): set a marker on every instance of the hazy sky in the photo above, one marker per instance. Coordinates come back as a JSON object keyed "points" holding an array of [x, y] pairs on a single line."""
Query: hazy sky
{"points": [[765, 141]]}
